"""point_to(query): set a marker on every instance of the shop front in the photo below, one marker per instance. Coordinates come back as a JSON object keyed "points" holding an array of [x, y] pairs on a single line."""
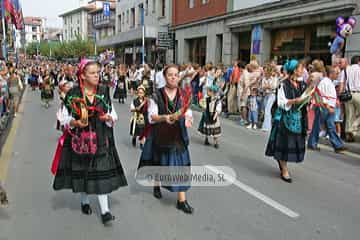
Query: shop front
{"points": [[304, 41]]}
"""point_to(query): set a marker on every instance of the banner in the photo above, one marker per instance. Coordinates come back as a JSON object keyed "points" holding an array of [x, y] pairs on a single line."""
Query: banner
{"points": [[13, 13]]}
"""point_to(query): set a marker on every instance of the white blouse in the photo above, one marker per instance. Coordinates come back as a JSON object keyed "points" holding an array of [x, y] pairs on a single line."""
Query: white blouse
{"points": [[153, 110], [282, 101]]}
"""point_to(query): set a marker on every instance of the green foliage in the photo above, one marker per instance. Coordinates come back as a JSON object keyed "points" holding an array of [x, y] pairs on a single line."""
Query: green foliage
{"points": [[72, 49]]}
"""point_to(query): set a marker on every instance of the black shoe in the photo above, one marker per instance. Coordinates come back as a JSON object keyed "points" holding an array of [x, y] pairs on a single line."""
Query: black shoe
{"points": [[3, 197], [134, 142], [185, 207], [286, 179], [86, 209], [314, 148], [206, 142], [216, 145], [157, 192], [340, 150], [107, 218]]}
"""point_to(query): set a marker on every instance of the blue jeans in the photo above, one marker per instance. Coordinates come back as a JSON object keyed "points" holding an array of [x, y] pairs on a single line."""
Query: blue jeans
{"points": [[253, 117], [269, 101], [329, 119]]}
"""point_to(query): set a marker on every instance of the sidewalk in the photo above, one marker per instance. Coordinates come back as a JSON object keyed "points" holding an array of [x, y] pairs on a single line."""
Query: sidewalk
{"points": [[351, 147]]}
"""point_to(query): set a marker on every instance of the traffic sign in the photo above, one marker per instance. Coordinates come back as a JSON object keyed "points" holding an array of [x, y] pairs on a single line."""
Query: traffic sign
{"points": [[106, 9]]}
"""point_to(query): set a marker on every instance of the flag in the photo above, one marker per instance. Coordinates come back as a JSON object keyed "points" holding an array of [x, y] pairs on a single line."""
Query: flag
{"points": [[13, 13]]}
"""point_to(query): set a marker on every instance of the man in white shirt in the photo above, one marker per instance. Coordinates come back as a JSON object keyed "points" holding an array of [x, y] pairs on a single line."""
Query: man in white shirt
{"points": [[159, 77], [351, 82], [327, 113]]}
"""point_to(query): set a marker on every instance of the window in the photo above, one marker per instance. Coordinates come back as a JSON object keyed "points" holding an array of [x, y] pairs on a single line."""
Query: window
{"points": [[146, 7], [127, 16], [191, 3], [204, 1], [153, 6], [140, 10], [34, 37], [162, 8], [120, 23], [132, 18], [34, 29]]}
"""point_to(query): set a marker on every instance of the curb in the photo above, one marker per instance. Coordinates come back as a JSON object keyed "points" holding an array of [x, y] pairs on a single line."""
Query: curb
{"points": [[353, 151]]}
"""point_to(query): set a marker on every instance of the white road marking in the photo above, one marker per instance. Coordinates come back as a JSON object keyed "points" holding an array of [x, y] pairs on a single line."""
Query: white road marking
{"points": [[272, 203]]}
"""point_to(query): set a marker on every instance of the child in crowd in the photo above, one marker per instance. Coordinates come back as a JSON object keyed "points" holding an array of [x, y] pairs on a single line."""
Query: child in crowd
{"points": [[210, 122], [253, 107]]}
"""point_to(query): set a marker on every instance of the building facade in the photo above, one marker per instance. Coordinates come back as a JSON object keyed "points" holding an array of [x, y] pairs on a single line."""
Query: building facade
{"points": [[268, 29], [76, 23], [34, 30], [128, 38], [103, 26], [199, 37]]}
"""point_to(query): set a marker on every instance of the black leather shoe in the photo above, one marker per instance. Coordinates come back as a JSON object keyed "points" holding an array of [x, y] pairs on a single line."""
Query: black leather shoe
{"points": [[3, 197], [157, 192], [107, 218], [86, 209], [216, 145], [206, 142], [185, 207], [286, 179]]}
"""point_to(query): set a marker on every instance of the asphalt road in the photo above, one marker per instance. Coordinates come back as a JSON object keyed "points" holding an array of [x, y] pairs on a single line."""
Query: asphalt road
{"points": [[321, 203]]}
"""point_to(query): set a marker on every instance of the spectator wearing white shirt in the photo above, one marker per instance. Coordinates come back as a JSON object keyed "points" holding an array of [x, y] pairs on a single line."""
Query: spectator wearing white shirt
{"points": [[351, 82], [159, 77], [327, 113]]}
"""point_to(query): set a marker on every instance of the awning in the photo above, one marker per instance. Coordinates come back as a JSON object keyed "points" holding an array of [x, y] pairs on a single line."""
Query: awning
{"points": [[129, 36]]}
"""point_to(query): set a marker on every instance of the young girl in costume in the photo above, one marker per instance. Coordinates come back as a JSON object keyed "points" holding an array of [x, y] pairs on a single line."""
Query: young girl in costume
{"points": [[89, 162], [64, 88], [210, 122], [139, 121]]}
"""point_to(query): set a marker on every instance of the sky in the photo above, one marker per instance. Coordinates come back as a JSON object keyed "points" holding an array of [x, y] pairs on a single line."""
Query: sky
{"points": [[49, 9]]}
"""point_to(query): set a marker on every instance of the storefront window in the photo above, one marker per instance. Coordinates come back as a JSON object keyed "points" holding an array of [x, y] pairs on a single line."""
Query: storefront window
{"points": [[300, 42], [197, 48]]}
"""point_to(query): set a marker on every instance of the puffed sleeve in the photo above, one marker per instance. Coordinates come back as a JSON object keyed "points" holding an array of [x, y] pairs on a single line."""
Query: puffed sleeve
{"points": [[219, 107], [153, 110], [114, 117], [282, 101], [64, 117]]}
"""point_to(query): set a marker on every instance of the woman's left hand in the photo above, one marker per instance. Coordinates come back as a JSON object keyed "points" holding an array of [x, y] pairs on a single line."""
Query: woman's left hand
{"points": [[105, 118]]}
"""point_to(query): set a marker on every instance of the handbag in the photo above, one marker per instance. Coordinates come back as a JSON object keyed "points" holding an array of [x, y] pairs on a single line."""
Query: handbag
{"points": [[84, 143], [346, 95], [292, 121]]}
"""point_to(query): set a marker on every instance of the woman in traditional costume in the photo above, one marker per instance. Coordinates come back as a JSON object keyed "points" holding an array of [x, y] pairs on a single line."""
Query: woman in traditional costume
{"points": [[47, 89], [89, 162], [210, 121], [120, 91], [167, 145], [139, 121], [288, 133]]}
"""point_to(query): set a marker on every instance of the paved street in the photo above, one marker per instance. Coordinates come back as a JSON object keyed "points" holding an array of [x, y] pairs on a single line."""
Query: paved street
{"points": [[322, 203]]}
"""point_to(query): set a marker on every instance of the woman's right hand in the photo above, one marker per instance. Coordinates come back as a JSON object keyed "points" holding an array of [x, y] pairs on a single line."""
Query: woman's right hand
{"points": [[78, 124]]}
